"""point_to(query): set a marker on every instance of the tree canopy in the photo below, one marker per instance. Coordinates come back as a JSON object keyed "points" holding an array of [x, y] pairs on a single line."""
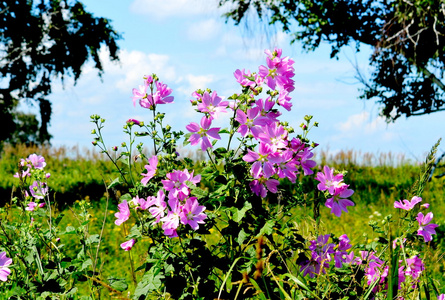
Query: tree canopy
{"points": [[42, 40], [408, 38]]}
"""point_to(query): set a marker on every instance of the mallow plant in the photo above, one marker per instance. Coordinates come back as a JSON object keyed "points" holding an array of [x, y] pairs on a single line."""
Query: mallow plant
{"points": [[229, 226]]}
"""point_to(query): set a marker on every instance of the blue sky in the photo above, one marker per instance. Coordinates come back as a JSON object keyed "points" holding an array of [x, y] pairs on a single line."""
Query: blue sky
{"points": [[188, 45]]}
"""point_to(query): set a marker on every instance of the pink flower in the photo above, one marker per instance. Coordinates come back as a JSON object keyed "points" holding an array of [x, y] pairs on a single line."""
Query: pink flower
{"points": [[4, 263], [263, 161], [156, 206], [37, 161], [338, 202], [425, 229], [123, 214], [328, 181], [170, 223], [31, 206], [192, 213], [407, 205], [284, 100], [139, 94], [202, 134], [275, 135], [38, 190], [151, 169], [258, 186], [161, 96], [414, 267], [441, 297], [212, 104], [250, 122], [128, 245], [133, 121]]}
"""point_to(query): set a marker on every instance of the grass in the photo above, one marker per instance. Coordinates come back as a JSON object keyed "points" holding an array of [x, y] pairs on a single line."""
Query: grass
{"points": [[80, 177]]}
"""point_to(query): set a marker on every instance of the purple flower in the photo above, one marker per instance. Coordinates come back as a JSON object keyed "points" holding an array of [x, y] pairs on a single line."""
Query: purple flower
{"points": [[212, 104], [139, 94], [157, 206], [407, 205], [128, 245], [38, 190], [133, 121], [250, 122], [37, 161], [328, 181], [425, 229], [151, 170], [31, 206], [260, 186], [4, 263], [123, 214], [176, 184], [338, 202], [202, 134], [192, 213], [263, 161], [161, 96]]}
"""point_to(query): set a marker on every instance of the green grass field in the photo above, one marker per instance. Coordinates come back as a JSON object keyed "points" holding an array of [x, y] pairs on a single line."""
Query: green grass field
{"points": [[80, 178]]}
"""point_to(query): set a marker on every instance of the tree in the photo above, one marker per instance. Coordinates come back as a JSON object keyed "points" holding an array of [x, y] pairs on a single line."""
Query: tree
{"points": [[41, 40], [408, 38]]}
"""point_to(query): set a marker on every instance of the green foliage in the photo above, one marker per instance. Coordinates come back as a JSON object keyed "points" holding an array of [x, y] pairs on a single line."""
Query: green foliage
{"points": [[407, 36], [56, 39]]}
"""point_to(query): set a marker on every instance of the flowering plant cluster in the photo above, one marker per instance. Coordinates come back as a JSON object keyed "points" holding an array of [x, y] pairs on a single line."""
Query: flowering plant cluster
{"points": [[226, 227]]}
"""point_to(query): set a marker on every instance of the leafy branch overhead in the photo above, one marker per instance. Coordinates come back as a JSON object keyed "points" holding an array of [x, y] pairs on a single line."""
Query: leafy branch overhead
{"points": [[40, 41], [407, 38]]}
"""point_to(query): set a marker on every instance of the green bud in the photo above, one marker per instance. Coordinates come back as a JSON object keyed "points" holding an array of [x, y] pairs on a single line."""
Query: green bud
{"points": [[93, 131], [123, 144], [141, 123], [94, 143], [102, 120], [168, 127], [316, 124]]}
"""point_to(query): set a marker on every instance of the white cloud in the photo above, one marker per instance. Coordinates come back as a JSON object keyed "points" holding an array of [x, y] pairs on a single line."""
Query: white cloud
{"points": [[204, 30], [363, 123], [194, 82], [174, 8]]}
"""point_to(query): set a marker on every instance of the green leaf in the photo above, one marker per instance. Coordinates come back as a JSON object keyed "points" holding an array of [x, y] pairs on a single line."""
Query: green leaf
{"points": [[224, 130], [70, 230], [119, 284], [239, 213], [242, 235], [86, 264], [267, 228], [199, 193], [114, 183], [149, 282], [126, 196], [93, 239]]}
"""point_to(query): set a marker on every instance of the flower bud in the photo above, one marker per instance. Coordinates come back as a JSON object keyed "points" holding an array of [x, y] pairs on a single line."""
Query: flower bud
{"points": [[114, 148], [93, 131], [102, 120], [123, 145], [94, 143]]}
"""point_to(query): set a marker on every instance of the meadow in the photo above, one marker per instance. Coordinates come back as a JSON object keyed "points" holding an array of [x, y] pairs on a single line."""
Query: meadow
{"points": [[79, 193]]}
